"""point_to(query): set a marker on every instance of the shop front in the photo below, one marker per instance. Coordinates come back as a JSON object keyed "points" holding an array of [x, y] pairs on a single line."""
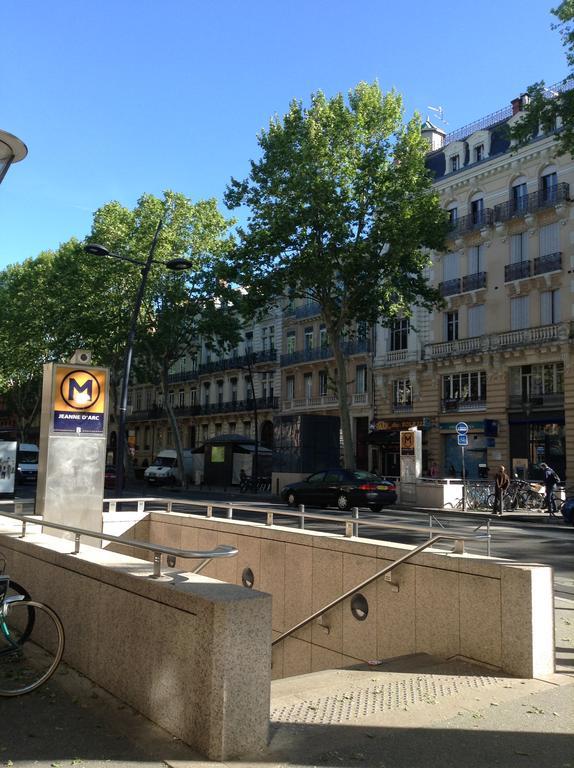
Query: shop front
{"points": [[384, 437]]}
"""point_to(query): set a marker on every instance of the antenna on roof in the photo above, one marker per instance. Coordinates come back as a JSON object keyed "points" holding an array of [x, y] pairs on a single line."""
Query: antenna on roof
{"points": [[439, 113]]}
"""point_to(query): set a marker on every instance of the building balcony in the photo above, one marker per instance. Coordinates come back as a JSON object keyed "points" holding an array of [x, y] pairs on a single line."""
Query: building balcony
{"points": [[306, 310], [541, 335], [238, 362], [452, 348], [461, 404], [449, 287], [546, 401], [182, 376], [517, 271], [311, 403], [535, 201], [206, 409], [473, 282], [402, 407], [472, 222], [552, 262], [350, 348]]}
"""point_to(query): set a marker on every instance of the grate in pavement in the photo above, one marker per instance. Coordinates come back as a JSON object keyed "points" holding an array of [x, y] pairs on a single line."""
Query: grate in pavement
{"points": [[390, 695]]}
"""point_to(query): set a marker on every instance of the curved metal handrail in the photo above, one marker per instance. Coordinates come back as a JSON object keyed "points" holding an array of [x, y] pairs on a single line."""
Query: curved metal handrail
{"points": [[222, 550], [316, 614]]}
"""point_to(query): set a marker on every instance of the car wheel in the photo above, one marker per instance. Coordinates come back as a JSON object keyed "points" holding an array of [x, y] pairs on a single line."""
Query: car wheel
{"points": [[343, 502], [291, 499], [377, 508]]}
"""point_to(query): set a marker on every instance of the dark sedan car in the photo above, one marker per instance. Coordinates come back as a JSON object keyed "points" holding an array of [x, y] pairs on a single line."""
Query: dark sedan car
{"points": [[341, 488]]}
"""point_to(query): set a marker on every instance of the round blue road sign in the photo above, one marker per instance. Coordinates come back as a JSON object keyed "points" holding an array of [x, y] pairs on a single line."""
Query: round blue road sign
{"points": [[461, 428]]}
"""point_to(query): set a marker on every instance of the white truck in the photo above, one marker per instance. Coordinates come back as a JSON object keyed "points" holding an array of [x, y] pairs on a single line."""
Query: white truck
{"points": [[27, 462], [164, 470]]}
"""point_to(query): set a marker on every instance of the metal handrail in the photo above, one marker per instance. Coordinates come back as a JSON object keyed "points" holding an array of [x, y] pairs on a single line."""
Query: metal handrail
{"points": [[222, 550], [387, 569]]}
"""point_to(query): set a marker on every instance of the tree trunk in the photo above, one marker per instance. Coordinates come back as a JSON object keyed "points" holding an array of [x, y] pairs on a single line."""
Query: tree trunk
{"points": [[342, 394], [174, 429]]}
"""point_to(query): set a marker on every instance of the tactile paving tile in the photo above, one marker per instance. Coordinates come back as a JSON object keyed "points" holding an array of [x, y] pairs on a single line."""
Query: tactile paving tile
{"points": [[394, 694]]}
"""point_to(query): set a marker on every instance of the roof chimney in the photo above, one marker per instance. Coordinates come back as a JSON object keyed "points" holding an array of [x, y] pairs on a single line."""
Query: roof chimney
{"points": [[433, 134]]}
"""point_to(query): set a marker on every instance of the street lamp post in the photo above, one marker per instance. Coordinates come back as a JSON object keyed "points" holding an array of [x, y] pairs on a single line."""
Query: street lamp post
{"points": [[174, 264], [12, 150]]}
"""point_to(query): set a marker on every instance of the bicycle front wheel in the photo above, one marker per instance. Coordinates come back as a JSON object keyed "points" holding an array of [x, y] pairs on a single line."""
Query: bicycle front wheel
{"points": [[28, 657]]}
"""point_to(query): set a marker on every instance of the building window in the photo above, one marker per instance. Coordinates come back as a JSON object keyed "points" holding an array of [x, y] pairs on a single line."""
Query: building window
{"points": [[206, 392], [323, 383], [181, 398], [290, 342], [193, 396], [323, 342], [232, 426], [520, 197], [360, 379], [247, 429], [218, 429], [308, 338], [550, 307], [475, 259], [527, 381], [146, 438], [451, 326], [267, 384], [479, 153], [450, 266], [233, 383], [476, 320], [549, 187], [518, 313], [454, 163], [519, 247], [308, 385], [220, 392], [452, 215], [139, 400], [399, 334], [477, 211], [464, 387], [402, 392], [205, 432], [549, 239], [290, 387]]}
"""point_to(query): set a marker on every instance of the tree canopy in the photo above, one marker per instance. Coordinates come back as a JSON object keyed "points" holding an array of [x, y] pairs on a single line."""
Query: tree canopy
{"points": [[341, 210], [547, 108]]}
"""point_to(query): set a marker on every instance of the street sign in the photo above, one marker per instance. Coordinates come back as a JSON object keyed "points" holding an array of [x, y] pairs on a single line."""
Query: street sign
{"points": [[461, 428], [462, 439]]}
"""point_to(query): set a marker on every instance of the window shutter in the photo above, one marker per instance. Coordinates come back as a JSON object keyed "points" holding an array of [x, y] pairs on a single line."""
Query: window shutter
{"points": [[476, 320], [450, 266], [549, 239], [549, 307], [519, 248], [519, 313]]}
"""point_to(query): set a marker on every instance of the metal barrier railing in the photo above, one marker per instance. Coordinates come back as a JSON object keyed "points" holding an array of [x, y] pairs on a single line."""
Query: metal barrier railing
{"points": [[171, 553]]}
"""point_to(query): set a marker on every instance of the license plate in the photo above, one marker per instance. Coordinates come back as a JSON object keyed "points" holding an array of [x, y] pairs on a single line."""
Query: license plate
{"points": [[382, 488]]}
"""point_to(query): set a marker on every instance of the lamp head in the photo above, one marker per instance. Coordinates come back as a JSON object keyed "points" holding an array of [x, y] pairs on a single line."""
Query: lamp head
{"points": [[96, 250], [179, 265]]}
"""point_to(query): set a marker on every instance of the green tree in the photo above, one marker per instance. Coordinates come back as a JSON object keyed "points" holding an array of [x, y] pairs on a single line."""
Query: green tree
{"points": [[341, 210], [545, 107], [178, 307]]}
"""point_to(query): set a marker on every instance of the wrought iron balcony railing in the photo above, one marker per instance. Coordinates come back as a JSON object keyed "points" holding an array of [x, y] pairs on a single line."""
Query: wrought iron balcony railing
{"points": [[535, 201], [350, 348], [449, 287], [238, 361], [517, 271], [472, 222], [306, 310], [552, 262], [473, 282], [463, 404]]}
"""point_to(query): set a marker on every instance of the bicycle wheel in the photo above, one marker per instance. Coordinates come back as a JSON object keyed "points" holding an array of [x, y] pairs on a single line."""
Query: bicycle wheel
{"points": [[16, 590], [26, 663]]}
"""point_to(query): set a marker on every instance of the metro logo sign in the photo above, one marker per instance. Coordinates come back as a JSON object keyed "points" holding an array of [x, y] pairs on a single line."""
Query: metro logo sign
{"points": [[79, 396]]}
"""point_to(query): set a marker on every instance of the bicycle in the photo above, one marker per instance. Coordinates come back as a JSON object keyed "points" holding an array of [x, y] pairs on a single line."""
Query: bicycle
{"points": [[31, 640]]}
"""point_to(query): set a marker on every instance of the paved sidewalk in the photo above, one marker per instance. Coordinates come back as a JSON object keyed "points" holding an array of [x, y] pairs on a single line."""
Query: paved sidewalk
{"points": [[414, 712]]}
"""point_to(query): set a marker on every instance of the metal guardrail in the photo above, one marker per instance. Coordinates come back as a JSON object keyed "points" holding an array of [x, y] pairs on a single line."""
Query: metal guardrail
{"points": [[223, 550]]}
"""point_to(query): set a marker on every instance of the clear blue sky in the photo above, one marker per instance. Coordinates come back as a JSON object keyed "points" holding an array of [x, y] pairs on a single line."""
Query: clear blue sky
{"points": [[114, 99]]}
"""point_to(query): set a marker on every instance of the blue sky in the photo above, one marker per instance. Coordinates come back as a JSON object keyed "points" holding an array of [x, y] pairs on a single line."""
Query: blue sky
{"points": [[114, 99]]}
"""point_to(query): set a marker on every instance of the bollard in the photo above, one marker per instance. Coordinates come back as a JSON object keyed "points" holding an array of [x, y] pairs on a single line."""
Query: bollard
{"points": [[269, 518], [229, 513], [302, 518], [156, 565], [355, 513], [76, 543], [209, 511], [141, 505], [458, 548]]}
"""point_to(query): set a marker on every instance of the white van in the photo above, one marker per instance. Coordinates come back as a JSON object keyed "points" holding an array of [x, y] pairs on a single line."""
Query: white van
{"points": [[27, 462], [163, 470]]}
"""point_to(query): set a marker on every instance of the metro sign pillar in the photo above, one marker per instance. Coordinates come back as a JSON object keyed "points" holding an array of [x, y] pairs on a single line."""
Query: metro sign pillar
{"points": [[73, 442]]}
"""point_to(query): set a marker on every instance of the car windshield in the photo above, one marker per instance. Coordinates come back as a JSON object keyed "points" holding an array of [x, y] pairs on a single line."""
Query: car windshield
{"points": [[164, 461], [28, 457]]}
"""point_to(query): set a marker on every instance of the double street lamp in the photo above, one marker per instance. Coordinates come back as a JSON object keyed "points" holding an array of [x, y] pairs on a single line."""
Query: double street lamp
{"points": [[176, 265]]}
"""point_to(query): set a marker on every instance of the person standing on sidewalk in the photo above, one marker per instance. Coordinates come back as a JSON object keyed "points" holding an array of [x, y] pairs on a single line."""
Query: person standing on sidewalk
{"points": [[501, 483], [550, 480]]}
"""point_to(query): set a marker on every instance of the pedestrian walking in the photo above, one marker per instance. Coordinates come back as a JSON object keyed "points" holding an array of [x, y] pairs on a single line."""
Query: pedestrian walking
{"points": [[501, 483], [550, 480]]}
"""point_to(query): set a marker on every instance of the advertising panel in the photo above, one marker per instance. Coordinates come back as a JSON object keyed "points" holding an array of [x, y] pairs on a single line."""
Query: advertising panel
{"points": [[79, 399], [7, 466]]}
